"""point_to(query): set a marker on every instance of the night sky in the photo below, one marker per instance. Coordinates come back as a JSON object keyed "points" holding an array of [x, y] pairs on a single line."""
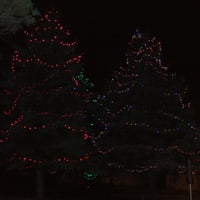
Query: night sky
{"points": [[104, 29]]}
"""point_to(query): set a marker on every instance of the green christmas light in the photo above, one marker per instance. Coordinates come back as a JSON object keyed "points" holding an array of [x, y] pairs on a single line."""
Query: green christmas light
{"points": [[86, 82], [89, 176]]}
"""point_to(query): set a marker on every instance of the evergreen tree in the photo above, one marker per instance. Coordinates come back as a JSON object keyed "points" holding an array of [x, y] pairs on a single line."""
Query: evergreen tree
{"points": [[144, 122], [7, 105], [46, 123]]}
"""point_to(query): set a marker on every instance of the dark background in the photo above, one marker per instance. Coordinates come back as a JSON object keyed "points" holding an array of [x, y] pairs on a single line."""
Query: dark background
{"points": [[104, 29]]}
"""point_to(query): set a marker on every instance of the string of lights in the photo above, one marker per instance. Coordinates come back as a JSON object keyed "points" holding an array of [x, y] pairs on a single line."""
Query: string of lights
{"points": [[144, 102], [55, 70]]}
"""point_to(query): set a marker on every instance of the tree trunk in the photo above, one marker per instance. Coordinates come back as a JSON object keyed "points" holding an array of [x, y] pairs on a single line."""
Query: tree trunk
{"points": [[39, 184], [152, 185]]}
